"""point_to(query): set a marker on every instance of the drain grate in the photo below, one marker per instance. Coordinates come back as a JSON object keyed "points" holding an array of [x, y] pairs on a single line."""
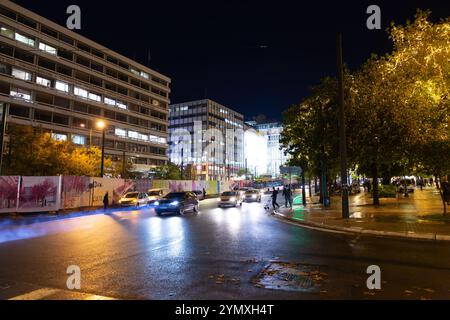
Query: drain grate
{"points": [[291, 277]]}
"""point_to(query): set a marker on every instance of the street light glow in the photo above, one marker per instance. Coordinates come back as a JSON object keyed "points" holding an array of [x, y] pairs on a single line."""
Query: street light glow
{"points": [[101, 124]]}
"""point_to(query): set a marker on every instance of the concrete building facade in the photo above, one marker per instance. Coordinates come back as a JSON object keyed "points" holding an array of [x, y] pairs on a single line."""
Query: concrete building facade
{"points": [[65, 83]]}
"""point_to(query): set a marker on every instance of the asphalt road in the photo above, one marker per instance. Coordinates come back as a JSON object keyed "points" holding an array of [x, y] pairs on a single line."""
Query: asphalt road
{"points": [[134, 254]]}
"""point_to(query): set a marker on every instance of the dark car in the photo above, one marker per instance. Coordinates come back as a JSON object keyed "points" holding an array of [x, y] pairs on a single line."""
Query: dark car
{"points": [[252, 195], [177, 202], [199, 194]]}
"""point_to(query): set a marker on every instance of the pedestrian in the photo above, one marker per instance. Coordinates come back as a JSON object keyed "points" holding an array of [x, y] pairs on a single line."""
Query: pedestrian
{"points": [[446, 192], [204, 193], [105, 201], [288, 196], [275, 205]]}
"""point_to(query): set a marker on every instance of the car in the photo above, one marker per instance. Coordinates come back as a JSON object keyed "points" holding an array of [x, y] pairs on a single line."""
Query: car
{"points": [[134, 198], [409, 186], [154, 194], [230, 198], [243, 190], [177, 202], [252, 195], [199, 194]]}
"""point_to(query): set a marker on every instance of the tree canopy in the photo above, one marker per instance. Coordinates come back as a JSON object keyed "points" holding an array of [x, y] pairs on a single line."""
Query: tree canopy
{"points": [[397, 109]]}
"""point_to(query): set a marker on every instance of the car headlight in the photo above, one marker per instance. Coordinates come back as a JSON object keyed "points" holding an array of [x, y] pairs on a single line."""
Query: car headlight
{"points": [[254, 196], [218, 199], [232, 199], [174, 203], [156, 203]]}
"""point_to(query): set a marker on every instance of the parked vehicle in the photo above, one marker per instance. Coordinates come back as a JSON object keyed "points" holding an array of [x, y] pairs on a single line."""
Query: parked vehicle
{"points": [[252, 195], [134, 199], [230, 198], [408, 183], [177, 202], [199, 194]]}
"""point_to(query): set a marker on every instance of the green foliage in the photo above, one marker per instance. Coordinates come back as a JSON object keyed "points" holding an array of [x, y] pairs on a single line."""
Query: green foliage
{"points": [[387, 191], [397, 110], [33, 152], [170, 171]]}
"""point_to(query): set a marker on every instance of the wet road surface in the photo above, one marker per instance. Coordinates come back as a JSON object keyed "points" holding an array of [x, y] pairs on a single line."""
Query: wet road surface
{"points": [[215, 254]]}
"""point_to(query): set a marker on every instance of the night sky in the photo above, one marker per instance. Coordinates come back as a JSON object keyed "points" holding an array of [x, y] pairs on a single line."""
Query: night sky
{"points": [[255, 57]]}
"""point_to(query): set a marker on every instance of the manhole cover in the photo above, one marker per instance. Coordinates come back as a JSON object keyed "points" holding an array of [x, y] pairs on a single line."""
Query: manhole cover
{"points": [[291, 277]]}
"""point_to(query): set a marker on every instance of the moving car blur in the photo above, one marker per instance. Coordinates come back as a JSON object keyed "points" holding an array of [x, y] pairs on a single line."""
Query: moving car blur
{"points": [[134, 199], [252, 195], [230, 198], [177, 202]]}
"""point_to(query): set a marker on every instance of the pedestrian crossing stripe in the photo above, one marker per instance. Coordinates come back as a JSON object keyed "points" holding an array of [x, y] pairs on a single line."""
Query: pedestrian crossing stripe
{"points": [[41, 294]]}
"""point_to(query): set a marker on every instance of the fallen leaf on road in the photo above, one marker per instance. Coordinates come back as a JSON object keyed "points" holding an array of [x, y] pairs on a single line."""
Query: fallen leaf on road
{"points": [[408, 292], [429, 290]]}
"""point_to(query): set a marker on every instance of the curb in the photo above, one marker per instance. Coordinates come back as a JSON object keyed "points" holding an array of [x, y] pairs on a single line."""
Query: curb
{"points": [[365, 232]]}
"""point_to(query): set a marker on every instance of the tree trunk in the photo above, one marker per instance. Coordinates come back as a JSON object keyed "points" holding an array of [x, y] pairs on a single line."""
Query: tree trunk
{"points": [[303, 189], [309, 184], [321, 189], [315, 185], [376, 198]]}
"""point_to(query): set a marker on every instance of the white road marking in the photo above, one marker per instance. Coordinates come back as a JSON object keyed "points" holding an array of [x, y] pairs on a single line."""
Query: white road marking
{"points": [[36, 294]]}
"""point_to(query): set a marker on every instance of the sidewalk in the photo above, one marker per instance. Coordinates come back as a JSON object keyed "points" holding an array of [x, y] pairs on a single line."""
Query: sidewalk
{"points": [[419, 216]]}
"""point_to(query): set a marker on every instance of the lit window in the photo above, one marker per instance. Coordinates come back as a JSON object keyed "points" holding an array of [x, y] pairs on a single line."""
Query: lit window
{"points": [[7, 32], [162, 140], [155, 103], [143, 137], [62, 86], [109, 101], [21, 38], [95, 97], [144, 75], [20, 74], [20, 94], [121, 105], [78, 139], [133, 134], [80, 92], [134, 71], [153, 138], [120, 132], [43, 82], [47, 48], [59, 137]]}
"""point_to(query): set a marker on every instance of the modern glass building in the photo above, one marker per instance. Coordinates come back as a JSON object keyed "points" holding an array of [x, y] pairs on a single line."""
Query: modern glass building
{"points": [[65, 83], [208, 138], [276, 156]]}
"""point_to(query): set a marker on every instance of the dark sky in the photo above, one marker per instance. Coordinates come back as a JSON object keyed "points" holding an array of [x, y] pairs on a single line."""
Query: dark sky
{"points": [[217, 48]]}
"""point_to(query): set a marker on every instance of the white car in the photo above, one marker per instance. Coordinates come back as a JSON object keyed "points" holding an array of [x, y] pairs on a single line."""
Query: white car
{"points": [[134, 199], [230, 198]]}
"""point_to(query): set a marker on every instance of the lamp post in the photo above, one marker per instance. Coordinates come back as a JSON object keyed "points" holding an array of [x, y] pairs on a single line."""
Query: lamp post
{"points": [[342, 134], [4, 109], [101, 125]]}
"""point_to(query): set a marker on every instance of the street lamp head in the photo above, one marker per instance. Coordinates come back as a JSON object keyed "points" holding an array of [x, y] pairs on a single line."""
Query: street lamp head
{"points": [[101, 124]]}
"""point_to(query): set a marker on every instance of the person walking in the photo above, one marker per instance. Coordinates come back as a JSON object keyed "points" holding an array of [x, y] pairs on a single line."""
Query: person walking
{"points": [[275, 205], [204, 193], [289, 196], [446, 191], [105, 201]]}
